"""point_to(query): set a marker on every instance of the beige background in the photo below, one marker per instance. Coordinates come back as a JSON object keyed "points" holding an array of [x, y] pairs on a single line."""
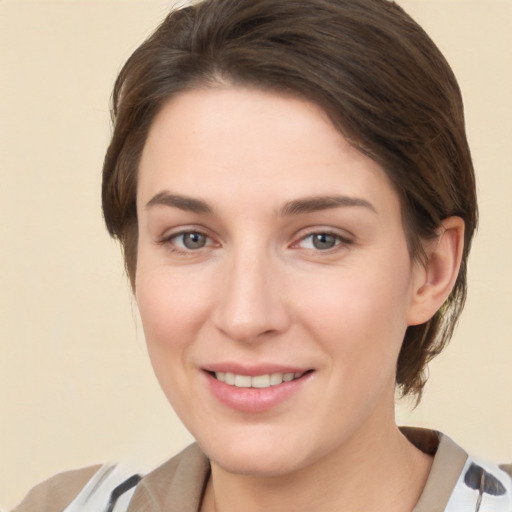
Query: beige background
{"points": [[75, 383]]}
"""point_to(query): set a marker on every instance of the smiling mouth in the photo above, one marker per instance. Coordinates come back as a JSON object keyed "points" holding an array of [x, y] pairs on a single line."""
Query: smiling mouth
{"points": [[257, 381]]}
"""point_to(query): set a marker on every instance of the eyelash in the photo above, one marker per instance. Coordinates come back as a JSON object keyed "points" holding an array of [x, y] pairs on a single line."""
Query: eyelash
{"points": [[339, 241], [168, 241]]}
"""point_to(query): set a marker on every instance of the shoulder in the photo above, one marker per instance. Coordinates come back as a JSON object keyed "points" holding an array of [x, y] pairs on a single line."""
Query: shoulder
{"points": [[481, 484], [178, 484], [484, 484], [180, 481], [458, 481], [506, 468], [54, 494]]}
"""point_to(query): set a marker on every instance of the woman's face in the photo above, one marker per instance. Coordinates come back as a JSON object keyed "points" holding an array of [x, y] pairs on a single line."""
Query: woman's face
{"points": [[273, 280]]}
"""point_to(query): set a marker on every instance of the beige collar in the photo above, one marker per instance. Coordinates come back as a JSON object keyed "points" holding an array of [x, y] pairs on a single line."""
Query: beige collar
{"points": [[178, 485]]}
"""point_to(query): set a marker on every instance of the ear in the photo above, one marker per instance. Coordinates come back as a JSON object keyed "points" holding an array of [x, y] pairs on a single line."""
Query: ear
{"points": [[434, 279]]}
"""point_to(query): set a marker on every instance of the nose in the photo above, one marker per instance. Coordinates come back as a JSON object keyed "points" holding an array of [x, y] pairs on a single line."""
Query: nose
{"points": [[251, 303]]}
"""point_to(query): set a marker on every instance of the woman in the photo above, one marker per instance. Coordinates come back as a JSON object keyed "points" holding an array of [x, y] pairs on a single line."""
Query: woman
{"points": [[293, 191]]}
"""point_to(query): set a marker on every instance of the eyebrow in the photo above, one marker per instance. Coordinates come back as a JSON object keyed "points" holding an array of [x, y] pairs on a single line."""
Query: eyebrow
{"points": [[295, 207], [185, 203], [318, 203]]}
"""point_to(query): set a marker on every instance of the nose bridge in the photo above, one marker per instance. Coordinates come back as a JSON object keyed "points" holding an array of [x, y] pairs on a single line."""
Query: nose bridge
{"points": [[250, 303]]}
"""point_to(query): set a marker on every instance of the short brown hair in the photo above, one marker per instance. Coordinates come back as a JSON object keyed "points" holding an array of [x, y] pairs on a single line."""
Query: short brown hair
{"points": [[382, 81]]}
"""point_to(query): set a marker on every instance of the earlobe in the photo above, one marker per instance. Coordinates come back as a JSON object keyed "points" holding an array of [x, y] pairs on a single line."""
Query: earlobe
{"points": [[435, 278]]}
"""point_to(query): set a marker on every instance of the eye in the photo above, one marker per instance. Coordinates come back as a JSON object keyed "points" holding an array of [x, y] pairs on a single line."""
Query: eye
{"points": [[189, 240], [321, 241]]}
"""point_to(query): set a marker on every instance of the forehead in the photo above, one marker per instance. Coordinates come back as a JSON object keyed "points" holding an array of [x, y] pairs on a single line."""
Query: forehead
{"points": [[255, 145]]}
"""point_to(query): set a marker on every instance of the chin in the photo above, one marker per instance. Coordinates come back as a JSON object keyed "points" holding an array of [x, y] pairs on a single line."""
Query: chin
{"points": [[261, 456], [256, 465]]}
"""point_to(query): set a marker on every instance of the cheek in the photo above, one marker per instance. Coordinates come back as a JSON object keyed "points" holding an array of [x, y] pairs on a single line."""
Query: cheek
{"points": [[361, 317], [170, 308], [168, 317]]}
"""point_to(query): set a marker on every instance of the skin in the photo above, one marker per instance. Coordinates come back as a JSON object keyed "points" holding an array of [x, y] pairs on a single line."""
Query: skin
{"points": [[256, 290]]}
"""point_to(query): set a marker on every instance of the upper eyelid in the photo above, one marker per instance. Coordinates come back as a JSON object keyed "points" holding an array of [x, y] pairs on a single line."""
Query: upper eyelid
{"points": [[341, 239], [338, 232], [344, 238], [167, 241], [299, 235], [174, 232]]}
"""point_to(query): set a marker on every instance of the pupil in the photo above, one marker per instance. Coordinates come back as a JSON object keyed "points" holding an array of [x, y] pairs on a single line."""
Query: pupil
{"points": [[194, 240], [324, 241]]}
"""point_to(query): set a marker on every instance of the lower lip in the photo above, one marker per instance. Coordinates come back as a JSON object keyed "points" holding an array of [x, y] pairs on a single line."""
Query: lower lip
{"points": [[254, 399]]}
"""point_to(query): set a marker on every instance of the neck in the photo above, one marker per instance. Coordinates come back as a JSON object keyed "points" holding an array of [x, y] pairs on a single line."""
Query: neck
{"points": [[375, 470]]}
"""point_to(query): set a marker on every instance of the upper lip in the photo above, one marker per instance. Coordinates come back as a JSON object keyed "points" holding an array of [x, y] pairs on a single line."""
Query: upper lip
{"points": [[253, 370]]}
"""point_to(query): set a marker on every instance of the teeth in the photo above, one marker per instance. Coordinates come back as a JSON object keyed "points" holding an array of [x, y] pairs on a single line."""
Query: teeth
{"points": [[261, 381], [276, 378], [242, 381], [258, 381]]}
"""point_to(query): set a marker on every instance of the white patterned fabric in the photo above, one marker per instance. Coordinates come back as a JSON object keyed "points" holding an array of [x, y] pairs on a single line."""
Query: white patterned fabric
{"points": [[481, 487], [99, 495]]}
